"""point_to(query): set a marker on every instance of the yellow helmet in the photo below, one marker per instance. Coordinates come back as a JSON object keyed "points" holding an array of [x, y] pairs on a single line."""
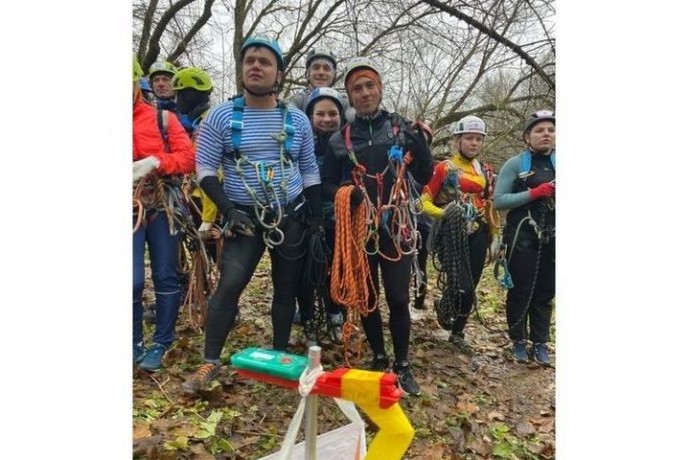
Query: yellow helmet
{"points": [[192, 77], [136, 67]]}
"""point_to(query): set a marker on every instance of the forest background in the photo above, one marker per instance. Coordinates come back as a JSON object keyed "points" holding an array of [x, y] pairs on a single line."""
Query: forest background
{"points": [[622, 377]]}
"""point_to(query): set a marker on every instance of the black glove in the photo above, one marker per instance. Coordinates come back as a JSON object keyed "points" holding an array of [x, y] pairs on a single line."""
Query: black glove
{"points": [[239, 221], [416, 143], [356, 197]]}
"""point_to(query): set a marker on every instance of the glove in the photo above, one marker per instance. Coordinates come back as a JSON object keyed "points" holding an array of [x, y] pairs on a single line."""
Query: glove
{"points": [[416, 143], [545, 190], [205, 230], [356, 197], [494, 247], [143, 167], [239, 221]]}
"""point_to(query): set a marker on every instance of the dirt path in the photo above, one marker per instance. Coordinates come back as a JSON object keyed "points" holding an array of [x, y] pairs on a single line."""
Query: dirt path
{"points": [[483, 407]]}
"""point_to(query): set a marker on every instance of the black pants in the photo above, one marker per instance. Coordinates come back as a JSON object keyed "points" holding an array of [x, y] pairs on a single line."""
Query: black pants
{"points": [[396, 284], [239, 259], [522, 266], [478, 244]]}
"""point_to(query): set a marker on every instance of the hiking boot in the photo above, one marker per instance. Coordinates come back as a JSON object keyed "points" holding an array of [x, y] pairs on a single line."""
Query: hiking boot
{"points": [[153, 358], [458, 339], [201, 378], [138, 352], [380, 363], [541, 354], [406, 380], [335, 327], [419, 303], [309, 329], [520, 351]]}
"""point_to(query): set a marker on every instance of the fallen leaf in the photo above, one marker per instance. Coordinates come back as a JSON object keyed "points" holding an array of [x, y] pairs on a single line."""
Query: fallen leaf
{"points": [[141, 430], [547, 426], [524, 428], [480, 447], [434, 452], [466, 406], [496, 416]]}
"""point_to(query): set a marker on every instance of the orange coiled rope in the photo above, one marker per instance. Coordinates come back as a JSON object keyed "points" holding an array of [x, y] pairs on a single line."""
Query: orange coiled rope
{"points": [[351, 283]]}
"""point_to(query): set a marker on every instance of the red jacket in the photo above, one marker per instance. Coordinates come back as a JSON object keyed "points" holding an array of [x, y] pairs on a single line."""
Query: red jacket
{"points": [[148, 141]]}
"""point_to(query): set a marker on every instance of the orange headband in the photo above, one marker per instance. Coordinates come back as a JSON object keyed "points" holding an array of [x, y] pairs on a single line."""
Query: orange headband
{"points": [[362, 73]]}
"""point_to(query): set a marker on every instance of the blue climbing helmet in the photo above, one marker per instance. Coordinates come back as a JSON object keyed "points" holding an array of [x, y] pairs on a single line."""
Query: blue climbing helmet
{"points": [[145, 85], [262, 40], [321, 93]]}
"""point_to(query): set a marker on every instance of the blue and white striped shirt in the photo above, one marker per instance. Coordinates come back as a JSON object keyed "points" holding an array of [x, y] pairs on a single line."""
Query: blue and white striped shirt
{"points": [[257, 145]]}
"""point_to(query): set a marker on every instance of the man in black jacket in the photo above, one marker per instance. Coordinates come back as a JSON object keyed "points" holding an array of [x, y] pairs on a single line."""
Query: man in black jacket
{"points": [[375, 140]]}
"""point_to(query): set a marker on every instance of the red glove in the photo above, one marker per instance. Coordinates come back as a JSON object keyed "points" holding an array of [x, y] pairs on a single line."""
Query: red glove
{"points": [[545, 190]]}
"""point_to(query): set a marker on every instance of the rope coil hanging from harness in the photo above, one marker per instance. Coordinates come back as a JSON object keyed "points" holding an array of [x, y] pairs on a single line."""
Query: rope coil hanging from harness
{"points": [[351, 282], [449, 242]]}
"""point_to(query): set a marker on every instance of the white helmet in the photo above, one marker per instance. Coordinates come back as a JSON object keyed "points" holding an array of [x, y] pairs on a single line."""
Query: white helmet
{"points": [[469, 124], [360, 62]]}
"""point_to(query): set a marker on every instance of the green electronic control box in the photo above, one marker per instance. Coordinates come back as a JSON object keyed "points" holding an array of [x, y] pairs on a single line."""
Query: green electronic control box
{"points": [[272, 362]]}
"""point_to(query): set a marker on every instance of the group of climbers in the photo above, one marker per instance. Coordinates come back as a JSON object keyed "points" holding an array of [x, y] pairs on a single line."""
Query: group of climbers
{"points": [[342, 204]]}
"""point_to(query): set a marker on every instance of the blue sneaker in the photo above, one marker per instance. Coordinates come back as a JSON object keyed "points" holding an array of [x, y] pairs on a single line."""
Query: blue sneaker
{"points": [[520, 351], [153, 357], [138, 352], [541, 354]]}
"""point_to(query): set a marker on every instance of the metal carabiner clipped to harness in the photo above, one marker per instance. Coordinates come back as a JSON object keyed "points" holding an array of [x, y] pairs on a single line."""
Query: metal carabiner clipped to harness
{"points": [[506, 281]]}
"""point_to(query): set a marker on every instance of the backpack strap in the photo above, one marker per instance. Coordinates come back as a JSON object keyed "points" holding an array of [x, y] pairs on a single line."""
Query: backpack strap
{"points": [[162, 119], [526, 163], [237, 124]]}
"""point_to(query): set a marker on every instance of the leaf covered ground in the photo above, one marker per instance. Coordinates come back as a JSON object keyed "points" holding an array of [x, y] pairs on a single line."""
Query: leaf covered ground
{"points": [[471, 408]]}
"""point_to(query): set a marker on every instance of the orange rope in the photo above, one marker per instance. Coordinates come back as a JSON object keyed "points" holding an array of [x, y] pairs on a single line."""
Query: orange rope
{"points": [[351, 283], [138, 205]]}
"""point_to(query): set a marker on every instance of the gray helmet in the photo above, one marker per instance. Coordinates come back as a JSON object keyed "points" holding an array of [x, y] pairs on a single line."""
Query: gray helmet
{"points": [[536, 117]]}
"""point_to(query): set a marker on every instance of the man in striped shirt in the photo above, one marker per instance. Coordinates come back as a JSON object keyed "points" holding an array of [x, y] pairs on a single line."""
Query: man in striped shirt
{"points": [[271, 191]]}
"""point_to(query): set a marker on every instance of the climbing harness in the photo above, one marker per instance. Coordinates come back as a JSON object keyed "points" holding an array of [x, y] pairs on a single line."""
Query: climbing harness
{"points": [[398, 216], [268, 209]]}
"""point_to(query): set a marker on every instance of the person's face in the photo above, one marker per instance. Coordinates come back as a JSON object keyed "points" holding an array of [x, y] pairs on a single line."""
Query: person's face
{"points": [[470, 144], [260, 69], [365, 96], [326, 116], [320, 73], [161, 84], [542, 136]]}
